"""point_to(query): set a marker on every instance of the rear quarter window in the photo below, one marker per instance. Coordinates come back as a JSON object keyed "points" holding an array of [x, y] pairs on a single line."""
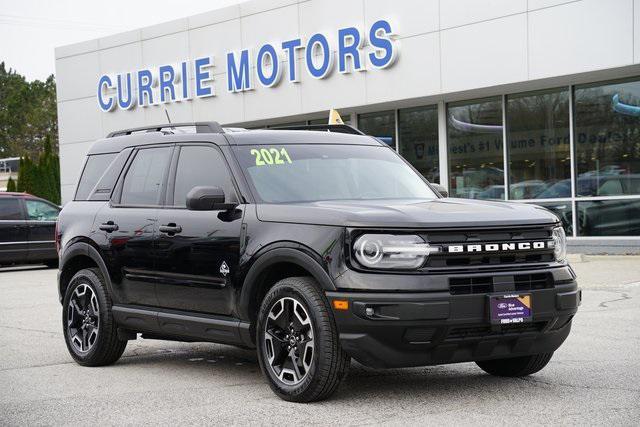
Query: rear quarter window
{"points": [[94, 168]]}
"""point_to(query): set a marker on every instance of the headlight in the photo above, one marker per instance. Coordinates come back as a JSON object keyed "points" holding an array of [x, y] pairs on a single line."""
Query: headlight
{"points": [[388, 251], [559, 244]]}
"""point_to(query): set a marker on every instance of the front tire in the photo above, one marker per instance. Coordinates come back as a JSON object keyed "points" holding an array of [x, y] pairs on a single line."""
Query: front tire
{"points": [[87, 322], [297, 339], [516, 366]]}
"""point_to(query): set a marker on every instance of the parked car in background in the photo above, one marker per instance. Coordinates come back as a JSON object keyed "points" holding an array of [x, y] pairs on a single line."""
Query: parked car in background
{"points": [[493, 192], [609, 218], [594, 185], [527, 189], [599, 217], [522, 190], [27, 230]]}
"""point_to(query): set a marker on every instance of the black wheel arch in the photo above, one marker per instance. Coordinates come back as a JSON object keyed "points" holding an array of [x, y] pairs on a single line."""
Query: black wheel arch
{"points": [[308, 262], [79, 255]]}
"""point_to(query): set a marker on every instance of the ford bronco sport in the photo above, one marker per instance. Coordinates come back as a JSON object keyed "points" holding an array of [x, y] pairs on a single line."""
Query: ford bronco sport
{"points": [[313, 246]]}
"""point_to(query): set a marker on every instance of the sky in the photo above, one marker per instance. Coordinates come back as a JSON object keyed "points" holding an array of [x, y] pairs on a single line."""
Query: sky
{"points": [[31, 29]]}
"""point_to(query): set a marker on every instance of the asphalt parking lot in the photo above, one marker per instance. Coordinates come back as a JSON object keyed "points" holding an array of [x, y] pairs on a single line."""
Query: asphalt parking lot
{"points": [[593, 379]]}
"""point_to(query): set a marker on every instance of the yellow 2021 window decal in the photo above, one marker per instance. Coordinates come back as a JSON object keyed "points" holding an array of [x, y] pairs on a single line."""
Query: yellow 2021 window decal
{"points": [[271, 156]]}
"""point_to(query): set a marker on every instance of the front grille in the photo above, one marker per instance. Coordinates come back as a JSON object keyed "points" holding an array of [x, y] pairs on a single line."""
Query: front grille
{"points": [[463, 332], [469, 260], [448, 261], [488, 235], [485, 284]]}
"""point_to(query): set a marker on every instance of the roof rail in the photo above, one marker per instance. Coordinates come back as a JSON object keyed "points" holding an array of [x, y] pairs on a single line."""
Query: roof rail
{"points": [[201, 127], [329, 128]]}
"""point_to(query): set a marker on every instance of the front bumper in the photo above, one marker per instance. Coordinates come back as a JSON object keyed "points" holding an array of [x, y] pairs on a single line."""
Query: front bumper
{"points": [[391, 330]]}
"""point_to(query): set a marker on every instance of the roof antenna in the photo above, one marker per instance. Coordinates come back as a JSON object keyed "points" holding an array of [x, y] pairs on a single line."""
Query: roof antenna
{"points": [[167, 113]]}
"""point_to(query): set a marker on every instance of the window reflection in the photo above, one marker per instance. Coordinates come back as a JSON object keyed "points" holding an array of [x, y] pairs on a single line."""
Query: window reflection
{"points": [[538, 135], [418, 129], [607, 139], [381, 125], [609, 218], [475, 146]]}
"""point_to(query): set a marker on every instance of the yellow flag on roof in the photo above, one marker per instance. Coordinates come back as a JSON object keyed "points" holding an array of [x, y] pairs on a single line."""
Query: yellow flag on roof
{"points": [[334, 118]]}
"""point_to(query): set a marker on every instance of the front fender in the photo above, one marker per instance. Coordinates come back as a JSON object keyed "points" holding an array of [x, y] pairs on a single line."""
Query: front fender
{"points": [[295, 254]]}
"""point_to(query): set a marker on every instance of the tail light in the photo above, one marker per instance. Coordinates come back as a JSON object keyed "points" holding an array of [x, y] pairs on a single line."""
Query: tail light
{"points": [[57, 237]]}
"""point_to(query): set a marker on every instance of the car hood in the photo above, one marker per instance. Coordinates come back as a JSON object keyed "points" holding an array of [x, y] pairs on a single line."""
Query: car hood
{"points": [[437, 213]]}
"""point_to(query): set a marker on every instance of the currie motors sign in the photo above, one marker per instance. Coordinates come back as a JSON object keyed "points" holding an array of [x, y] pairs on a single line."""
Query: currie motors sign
{"points": [[185, 80]]}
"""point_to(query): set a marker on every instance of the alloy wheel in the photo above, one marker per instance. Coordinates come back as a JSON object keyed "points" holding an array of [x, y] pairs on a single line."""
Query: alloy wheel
{"points": [[83, 318], [288, 341]]}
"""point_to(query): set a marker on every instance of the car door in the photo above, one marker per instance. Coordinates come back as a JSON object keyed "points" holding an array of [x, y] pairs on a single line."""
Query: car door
{"points": [[197, 251], [14, 234], [41, 220], [124, 228]]}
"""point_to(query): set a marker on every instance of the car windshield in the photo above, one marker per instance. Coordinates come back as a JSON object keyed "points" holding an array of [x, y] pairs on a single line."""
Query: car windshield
{"points": [[310, 173]]}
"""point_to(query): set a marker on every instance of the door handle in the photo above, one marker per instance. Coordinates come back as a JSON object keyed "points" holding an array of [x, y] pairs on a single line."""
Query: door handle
{"points": [[170, 228], [108, 226]]}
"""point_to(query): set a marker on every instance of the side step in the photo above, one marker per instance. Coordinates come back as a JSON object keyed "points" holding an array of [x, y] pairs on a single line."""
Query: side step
{"points": [[179, 324]]}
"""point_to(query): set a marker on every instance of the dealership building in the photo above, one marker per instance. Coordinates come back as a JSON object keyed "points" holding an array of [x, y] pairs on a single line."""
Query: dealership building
{"points": [[534, 101]]}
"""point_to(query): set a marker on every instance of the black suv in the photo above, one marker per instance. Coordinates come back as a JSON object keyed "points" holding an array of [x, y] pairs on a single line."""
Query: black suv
{"points": [[313, 246]]}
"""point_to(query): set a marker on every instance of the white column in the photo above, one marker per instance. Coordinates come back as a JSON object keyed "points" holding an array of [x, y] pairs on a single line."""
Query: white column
{"points": [[443, 157]]}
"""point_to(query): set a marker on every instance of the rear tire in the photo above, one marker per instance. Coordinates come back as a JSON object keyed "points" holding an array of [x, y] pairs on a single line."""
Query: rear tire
{"points": [[87, 322], [516, 366], [297, 339]]}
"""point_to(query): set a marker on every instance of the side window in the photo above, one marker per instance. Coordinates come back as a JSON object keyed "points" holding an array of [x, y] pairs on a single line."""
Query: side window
{"points": [[93, 170], [102, 190], [41, 211], [10, 209], [200, 165], [144, 178]]}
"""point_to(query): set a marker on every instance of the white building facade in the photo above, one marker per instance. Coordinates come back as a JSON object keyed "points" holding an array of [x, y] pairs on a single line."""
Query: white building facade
{"points": [[445, 82]]}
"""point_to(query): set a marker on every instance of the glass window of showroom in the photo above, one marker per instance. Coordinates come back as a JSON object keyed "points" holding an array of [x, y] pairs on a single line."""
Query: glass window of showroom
{"points": [[607, 158], [606, 153]]}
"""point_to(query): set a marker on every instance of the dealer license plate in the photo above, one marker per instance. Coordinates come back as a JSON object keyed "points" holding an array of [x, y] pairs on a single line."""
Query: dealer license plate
{"points": [[512, 308]]}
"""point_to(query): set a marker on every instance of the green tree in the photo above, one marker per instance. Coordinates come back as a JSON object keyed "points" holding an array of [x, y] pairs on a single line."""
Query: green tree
{"points": [[41, 178], [29, 128], [24, 172], [48, 174], [11, 185], [28, 114]]}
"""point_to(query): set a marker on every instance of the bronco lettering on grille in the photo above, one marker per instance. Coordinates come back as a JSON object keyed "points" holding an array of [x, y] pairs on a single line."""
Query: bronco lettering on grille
{"points": [[500, 247]]}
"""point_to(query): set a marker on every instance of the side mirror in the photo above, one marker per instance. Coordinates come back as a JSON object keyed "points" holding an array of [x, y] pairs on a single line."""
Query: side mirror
{"points": [[440, 189], [207, 199]]}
